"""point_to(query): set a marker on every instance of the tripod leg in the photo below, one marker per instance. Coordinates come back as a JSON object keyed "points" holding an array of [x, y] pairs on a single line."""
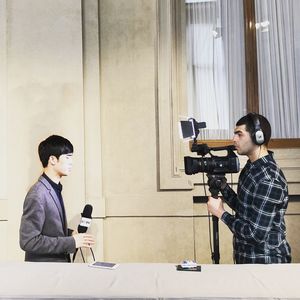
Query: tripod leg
{"points": [[215, 184]]}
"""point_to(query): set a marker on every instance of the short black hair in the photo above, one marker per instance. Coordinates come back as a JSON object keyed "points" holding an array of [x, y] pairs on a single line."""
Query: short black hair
{"points": [[54, 145], [250, 125]]}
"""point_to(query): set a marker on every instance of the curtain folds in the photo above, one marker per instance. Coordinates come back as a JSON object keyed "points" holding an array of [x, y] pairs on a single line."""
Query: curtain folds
{"points": [[216, 72], [278, 45]]}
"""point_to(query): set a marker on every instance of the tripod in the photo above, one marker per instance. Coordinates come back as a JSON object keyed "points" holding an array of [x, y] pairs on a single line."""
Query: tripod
{"points": [[214, 188]]}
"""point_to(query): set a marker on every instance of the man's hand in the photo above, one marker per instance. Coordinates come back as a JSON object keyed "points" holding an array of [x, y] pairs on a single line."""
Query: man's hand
{"points": [[83, 240], [215, 206]]}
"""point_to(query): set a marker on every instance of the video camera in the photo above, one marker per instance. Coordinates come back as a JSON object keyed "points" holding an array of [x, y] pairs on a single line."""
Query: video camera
{"points": [[213, 165]]}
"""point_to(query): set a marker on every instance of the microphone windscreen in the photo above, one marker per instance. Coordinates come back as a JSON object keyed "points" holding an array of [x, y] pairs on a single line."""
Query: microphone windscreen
{"points": [[87, 211]]}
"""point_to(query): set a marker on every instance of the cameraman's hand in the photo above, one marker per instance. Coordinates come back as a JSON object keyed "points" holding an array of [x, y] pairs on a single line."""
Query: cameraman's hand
{"points": [[216, 181], [215, 206], [83, 240]]}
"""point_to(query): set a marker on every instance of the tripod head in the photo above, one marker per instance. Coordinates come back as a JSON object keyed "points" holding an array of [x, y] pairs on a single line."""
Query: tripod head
{"points": [[215, 183]]}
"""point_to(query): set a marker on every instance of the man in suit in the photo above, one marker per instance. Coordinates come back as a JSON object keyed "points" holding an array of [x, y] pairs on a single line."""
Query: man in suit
{"points": [[44, 235]]}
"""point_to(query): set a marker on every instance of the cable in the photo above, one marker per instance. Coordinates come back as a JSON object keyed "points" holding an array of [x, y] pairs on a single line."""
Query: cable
{"points": [[93, 254], [194, 233], [231, 185], [82, 255], [233, 213], [74, 255]]}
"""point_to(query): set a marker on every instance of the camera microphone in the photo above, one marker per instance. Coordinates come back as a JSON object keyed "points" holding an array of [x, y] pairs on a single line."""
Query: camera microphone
{"points": [[86, 219]]}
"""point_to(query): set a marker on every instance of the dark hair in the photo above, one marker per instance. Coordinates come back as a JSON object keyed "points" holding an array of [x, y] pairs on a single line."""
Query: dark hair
{"points": [[54, 145], [250, 119]]}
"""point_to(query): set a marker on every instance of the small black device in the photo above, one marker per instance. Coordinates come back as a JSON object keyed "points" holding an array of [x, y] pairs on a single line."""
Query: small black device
{"points": [[195, 269], [188, 265]]}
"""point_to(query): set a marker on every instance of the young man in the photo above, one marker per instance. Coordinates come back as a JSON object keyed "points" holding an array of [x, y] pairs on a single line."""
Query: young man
{"points": [[258, 226], [44, 235]]}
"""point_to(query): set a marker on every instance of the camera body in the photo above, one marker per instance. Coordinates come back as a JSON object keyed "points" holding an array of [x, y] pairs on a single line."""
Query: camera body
{"points": [[213, 165]]}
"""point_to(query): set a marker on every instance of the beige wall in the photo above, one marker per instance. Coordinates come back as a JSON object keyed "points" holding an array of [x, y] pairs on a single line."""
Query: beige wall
{"points": [[87, 70]]}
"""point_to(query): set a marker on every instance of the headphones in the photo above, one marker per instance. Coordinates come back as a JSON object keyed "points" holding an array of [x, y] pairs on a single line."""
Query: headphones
{"points": [[257, 135]]}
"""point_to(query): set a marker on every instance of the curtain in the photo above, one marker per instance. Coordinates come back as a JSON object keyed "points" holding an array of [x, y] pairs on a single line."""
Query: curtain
{"points": [[278, 50], [215, 65]]}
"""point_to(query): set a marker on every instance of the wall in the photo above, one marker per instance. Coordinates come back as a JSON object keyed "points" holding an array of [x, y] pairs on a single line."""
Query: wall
{"points": [[88, 70], [45, 94]]}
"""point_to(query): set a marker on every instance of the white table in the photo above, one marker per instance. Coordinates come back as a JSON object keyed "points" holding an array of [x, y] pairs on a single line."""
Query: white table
{"points": [[151, 281]]}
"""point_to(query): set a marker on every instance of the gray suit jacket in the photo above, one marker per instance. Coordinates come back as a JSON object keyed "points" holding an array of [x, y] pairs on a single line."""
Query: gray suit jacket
{"points": [[43, 236]]}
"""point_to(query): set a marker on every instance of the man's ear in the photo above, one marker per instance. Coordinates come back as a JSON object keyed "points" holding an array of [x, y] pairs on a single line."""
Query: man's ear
{"points": [[52, 160]]}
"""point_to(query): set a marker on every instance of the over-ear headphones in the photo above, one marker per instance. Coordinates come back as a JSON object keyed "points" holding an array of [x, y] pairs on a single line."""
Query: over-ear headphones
{"points": [[257, 135]]}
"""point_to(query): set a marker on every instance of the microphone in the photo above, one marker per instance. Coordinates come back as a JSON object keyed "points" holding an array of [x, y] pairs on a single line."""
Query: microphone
{"points": [[86, 219], [85, 222]]}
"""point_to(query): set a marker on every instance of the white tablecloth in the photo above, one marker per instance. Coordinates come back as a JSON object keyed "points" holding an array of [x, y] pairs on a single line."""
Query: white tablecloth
{"points": [[151, 281]]}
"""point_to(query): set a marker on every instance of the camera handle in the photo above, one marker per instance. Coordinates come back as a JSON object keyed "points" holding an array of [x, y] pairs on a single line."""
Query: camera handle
{"points": [[214, 188]]}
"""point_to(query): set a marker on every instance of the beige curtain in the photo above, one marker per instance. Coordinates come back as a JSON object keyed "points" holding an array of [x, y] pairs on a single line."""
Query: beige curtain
{"points": [[216, 65], [278, 44]]}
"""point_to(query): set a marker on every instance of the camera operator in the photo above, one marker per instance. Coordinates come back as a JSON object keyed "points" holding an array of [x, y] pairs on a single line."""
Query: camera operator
{"points": [[258, 226]]}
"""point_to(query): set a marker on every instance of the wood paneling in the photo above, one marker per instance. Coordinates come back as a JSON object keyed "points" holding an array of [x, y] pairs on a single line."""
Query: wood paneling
{"points": [[251, 57]]}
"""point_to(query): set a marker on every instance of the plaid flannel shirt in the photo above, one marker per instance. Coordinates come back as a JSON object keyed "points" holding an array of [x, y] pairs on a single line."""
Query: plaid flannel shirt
{"points": [[258, 226]]}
